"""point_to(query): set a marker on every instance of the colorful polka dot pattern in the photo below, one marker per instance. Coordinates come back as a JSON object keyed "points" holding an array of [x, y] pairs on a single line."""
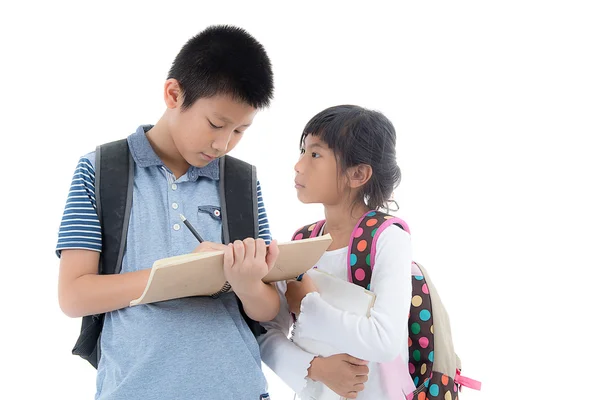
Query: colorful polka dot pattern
{"points": [[306, 231], [438, 387], [420, 333], [360, 248]]}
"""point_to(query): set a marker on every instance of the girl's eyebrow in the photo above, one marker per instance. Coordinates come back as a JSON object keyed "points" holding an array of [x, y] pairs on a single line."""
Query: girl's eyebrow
{"points": [[313, 145]]}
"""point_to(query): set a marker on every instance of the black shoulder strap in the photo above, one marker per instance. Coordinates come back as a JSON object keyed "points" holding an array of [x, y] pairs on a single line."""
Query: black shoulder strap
{"points": [[239, 202], [239, 211], [114, 194]]}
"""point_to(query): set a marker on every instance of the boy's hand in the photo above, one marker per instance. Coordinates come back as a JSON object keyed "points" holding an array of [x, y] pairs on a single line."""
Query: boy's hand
{"points": [[209, 246], [297, 290], [247, 262], [341, 373]]}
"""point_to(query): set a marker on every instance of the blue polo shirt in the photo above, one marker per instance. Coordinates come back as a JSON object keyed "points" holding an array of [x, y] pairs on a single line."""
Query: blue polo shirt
{"points": [[192, 348]]}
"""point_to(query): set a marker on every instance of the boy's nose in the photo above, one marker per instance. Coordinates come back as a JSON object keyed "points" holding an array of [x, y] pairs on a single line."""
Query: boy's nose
{"points": [[220, 143]]}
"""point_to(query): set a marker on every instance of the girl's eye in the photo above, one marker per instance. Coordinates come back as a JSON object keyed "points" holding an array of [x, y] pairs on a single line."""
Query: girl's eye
{"points": [[315, 155], [214, 126]]}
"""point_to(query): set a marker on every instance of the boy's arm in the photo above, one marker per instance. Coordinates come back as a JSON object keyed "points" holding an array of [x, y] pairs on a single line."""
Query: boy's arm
{"points": [[254, 303], [245, 265], [261, 304], [81, 291]]}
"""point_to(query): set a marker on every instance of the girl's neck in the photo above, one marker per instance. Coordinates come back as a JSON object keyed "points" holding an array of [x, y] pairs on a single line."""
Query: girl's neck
{"points": [[340, 222]]}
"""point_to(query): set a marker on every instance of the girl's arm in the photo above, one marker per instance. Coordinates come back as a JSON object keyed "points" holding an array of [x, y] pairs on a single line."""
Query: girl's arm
{"points": [[287, 360], [382, 336], [341, 372]]}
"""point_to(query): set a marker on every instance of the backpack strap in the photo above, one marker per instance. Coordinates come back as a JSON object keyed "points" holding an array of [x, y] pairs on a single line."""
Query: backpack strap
{"points": [[309, 231], [362, 248], [114, 195], [239, 213], [239, 200]]}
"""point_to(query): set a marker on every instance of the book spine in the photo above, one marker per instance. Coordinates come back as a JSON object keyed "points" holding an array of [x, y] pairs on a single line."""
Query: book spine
{"points": [[226, 288]]}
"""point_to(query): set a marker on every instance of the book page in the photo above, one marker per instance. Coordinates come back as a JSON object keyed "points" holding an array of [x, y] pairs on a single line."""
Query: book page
{"points": [[201, 274]]}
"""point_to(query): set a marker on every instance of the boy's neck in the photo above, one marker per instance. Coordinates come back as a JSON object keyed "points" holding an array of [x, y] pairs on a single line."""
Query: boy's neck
{"points": [[340, 222], [162, 143]]}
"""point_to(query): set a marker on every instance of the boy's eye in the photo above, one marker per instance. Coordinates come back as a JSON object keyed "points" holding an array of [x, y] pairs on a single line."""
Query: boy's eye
{"points": [[213, 125]]}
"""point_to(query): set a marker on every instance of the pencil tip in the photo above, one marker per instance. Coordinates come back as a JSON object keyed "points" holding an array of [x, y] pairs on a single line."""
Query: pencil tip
{"points": [[182, 217]]}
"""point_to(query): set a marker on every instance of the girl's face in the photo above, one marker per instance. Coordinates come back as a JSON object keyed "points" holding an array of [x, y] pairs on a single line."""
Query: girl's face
{"points": [[317, 174]]}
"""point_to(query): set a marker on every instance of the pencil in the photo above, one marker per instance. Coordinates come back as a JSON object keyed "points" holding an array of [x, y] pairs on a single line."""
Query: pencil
{"points": [[191, 228]]}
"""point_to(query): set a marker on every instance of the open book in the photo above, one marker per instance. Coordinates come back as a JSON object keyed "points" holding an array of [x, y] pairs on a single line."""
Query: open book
{"points": [[201, 274]]}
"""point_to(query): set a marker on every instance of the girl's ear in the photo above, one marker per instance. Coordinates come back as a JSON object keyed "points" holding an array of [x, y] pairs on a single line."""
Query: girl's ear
{"points": [[359, 175]]}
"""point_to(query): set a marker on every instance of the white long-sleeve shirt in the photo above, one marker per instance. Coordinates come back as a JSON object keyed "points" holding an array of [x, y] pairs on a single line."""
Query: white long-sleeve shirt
{"points": [[380, 338]]}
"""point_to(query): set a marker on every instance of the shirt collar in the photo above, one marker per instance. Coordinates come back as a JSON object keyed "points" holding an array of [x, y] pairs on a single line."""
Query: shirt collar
{"points": [[145, 157]]}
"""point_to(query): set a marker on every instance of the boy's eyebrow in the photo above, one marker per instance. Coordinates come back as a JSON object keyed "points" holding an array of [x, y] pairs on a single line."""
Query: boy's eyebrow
{"points": [[227, 120]]}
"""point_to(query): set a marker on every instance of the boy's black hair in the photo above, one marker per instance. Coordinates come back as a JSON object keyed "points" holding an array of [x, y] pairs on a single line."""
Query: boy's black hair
{"points": [[360, 136], [224, 59]]}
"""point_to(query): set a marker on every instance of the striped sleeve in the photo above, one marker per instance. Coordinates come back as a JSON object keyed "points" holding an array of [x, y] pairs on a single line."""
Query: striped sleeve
{"points": [[80, 227], [264, 232]]}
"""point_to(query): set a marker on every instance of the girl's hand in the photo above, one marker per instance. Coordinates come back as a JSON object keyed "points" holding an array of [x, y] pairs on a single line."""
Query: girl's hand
{"points": [[297, 290], [342, 373]]}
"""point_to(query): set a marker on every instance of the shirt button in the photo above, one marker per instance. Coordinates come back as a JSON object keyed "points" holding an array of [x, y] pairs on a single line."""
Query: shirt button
{"points": [[217, 213], [174, 186], [175, 206], [176, 227]]}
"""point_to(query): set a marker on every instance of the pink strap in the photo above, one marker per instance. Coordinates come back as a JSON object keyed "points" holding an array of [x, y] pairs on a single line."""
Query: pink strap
{"points": [[467, 382], [317, 229], [397, 379]]}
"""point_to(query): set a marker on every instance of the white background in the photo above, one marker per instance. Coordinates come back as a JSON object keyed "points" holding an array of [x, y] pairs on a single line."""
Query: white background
{"points": [[496, 105]]}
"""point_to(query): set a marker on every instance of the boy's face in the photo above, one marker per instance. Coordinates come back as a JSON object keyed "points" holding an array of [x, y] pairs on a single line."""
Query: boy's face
{"points": [[210, 128], [317, 174]]}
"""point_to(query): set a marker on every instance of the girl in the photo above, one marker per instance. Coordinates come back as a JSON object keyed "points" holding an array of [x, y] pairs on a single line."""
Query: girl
{"points": [[348, 164]]}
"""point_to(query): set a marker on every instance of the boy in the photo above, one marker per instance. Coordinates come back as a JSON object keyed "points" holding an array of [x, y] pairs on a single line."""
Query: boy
{"points": [[191, 348]]}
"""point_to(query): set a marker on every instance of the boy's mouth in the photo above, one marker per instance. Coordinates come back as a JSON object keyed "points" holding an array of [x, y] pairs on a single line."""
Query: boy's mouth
{"points": [[207, 157]]}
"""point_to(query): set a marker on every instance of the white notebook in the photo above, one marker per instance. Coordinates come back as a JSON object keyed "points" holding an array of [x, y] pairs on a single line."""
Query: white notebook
{"points": [[344, 296]]}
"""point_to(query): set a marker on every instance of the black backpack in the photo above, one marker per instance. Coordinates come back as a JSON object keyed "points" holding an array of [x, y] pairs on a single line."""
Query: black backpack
{"points": [[114, 193]]}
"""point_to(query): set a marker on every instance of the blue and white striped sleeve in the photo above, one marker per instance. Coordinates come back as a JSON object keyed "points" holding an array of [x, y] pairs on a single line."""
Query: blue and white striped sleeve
{"points": [[264, 232], [80, 226]]}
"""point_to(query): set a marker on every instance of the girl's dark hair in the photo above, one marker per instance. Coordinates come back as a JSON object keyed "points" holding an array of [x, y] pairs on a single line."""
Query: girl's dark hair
{"points": [[224, 59], [360, 136]]}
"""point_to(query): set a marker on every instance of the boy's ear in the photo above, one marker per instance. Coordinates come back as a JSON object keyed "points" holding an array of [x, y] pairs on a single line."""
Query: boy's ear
{"points": [[172, 93], [359, 175]]}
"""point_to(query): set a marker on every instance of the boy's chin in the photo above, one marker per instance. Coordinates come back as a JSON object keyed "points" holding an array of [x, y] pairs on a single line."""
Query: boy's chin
{"points": [[200, 162]]}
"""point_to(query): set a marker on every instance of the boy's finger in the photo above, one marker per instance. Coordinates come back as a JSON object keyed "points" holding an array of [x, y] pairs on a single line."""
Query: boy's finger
{"points": [[249, 249], [261, 249], [272, 254], [238, 251], [228, 256]]}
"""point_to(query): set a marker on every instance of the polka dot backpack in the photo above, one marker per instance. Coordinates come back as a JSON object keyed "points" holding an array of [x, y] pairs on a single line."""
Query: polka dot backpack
{"points": [[423, 376]]}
